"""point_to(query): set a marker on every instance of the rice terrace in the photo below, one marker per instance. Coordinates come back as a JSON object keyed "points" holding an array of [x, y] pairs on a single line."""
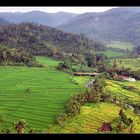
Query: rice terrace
{"points": [[57, 76]]}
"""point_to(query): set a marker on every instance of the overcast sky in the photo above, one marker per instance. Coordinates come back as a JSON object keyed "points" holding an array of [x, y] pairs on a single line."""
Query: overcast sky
{"points": [[56, 9]]}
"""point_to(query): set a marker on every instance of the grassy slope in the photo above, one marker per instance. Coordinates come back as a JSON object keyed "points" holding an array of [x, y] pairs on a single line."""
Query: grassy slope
{"points": [[136, 120], [133, 63], [91, 117], [116, 88], [49, 90], [110, 53], [121, 45], [47, 61]]}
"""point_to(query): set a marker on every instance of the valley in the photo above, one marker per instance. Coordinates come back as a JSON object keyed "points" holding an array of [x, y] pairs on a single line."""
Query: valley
{"points": [[70, 73]]}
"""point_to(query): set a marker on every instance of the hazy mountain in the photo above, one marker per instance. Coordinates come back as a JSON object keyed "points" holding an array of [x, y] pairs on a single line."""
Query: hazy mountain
{"points": [[50, 19], [114, 24], [3, 21]]}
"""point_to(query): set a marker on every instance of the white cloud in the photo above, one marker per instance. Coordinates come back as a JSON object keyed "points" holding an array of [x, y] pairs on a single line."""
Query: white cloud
{"points": [[56, 9]]}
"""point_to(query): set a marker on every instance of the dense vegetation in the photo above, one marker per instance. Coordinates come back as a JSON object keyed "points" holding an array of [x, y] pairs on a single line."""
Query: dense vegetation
{"points": [[44, 40], [47, 97], [16, 57], [90, 118], [94, 94]]}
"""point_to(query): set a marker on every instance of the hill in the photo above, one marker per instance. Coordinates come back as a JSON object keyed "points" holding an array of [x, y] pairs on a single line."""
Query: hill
{"points": [[50, 19], [3, 21], [117, 24], [43, 40], [90, 119]]}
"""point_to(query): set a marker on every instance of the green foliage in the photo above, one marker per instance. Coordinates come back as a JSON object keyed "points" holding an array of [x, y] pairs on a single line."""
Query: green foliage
{"points": [[62, 66], [49, 90], [43, 40], [131, 88], [16, 57], [112, 53], [121, 45], [90, 118], [92, 95], [133, 63], [126, 120], [61, 118]]}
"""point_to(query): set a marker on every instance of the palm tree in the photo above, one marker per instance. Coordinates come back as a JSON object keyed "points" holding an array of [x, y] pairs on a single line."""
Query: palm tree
{"points": [[20, 126]]}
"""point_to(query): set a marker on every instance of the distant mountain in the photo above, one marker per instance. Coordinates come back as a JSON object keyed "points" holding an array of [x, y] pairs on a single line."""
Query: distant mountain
{"points": [[50, 19], [122, 24], [3, 21]]}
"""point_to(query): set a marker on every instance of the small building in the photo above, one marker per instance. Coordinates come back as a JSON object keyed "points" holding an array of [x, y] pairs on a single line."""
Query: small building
{"points": [[86, 74], [90, 83], [126, 78], [106, 127]]}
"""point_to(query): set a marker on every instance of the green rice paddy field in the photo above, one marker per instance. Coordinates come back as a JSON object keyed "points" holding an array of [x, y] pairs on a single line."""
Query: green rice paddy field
{"points": [[133, 63], [121, 45], [36, 95], [112, 54], [117, 88]]}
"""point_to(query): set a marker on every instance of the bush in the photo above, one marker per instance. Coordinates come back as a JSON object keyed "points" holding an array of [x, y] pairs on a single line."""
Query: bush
{"points": [[73, 108], [124, 118], [132, 88], [61, 118], [62, 66]]}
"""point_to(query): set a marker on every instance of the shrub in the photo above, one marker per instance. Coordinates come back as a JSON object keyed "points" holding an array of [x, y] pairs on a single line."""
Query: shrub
{"points": [[62, 66], [61, 118], [28, 90], [132, 88], [73, 108], [124, 118]]}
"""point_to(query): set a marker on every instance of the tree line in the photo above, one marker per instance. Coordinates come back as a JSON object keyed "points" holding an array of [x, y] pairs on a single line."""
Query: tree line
{"points": [[12, 56]]}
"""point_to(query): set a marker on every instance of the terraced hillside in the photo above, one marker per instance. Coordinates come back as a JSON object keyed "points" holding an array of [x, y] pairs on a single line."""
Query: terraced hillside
{"points": [[133, 63], [121, 45], [91, 117], [118, 88], [112, 53], [36, 95]]}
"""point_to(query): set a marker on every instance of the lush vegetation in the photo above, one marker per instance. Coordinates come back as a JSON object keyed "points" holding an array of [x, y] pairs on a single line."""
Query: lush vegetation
{"points": [[36, 95], [94, 94], [49, 98], [43, 40], [119, 89], [133, 63], [127, 46], [127, 122], [112, 53], [16, 57], [91, 117]]}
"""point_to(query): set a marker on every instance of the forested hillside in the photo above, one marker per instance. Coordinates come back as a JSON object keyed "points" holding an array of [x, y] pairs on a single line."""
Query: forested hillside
{"points": [[44, 40], [12, 56]]}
